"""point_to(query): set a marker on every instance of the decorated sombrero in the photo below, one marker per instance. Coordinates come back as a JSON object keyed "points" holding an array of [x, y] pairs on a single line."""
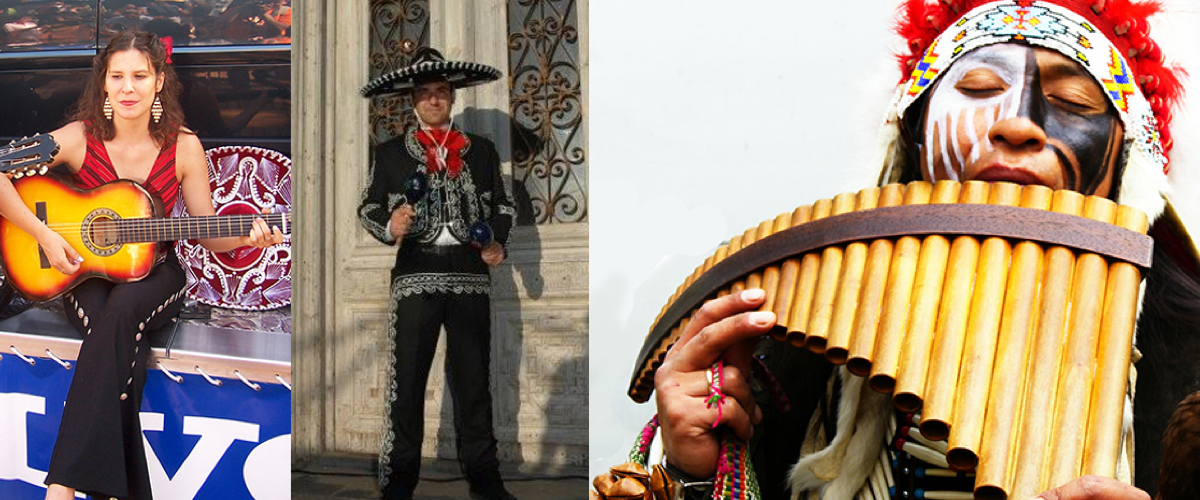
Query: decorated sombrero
{"points": [[428, 63], [243, 180]]}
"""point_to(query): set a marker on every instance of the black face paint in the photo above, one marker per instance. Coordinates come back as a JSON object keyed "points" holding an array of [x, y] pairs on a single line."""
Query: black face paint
{"points": [[1091, 138], [914, 137]]}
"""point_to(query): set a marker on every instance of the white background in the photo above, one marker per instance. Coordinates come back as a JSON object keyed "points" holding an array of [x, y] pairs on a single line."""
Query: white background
{"points": [[707, 117]]}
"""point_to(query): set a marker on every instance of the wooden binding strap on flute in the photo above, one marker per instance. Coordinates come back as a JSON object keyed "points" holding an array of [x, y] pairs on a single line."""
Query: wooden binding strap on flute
{"points": [[1003, 313]]}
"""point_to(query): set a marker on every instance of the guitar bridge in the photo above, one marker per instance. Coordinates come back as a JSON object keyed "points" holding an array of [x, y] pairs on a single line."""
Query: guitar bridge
{"points": [[43, 261]]}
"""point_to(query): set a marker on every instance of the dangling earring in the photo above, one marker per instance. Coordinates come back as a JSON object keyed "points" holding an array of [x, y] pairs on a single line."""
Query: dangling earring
{"points": [[156, 110], [107, 109]]}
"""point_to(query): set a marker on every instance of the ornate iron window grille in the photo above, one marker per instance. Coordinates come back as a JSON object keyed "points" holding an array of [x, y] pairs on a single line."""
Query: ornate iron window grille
{"points": [[545, 104], [398, 28]]}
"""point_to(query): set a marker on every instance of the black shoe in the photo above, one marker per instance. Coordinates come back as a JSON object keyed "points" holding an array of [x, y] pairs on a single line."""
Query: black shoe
{"points": [[493, 491], [395, 493]]}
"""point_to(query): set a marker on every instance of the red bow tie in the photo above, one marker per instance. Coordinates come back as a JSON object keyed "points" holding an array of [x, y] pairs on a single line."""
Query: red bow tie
{"points": [[450, 142]]}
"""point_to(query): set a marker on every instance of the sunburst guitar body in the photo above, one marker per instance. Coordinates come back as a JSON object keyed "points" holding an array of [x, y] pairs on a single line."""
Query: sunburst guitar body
{"points": [[86, 219], [116, 228]]}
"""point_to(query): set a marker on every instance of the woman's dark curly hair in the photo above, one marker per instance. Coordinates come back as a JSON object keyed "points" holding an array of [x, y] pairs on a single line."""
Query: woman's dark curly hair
{"points": [[90, 109]]}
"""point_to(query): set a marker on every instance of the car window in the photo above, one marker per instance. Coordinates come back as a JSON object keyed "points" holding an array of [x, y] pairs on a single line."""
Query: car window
{"points": [[64, 24], [201, 22]]}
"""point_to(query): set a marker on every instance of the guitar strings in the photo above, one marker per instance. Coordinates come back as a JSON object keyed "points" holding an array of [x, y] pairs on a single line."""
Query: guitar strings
{"points": [[204, 220]]}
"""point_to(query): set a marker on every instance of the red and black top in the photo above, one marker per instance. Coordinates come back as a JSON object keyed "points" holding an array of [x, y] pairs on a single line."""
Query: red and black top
{"points": [[98, 170]]}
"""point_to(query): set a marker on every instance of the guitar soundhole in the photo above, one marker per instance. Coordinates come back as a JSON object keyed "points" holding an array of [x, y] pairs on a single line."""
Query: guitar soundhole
{"points": [[101, 233]]}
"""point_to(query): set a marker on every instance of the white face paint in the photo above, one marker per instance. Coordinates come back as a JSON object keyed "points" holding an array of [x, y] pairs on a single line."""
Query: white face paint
{"points": [[957, 121]]}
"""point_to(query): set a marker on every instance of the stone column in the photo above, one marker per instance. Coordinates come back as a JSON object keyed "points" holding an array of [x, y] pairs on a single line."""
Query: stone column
{"points": [[329, 133]]}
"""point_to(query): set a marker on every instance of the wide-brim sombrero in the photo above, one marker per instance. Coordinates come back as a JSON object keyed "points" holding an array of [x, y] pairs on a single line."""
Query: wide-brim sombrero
{"points": [[428, 63]]}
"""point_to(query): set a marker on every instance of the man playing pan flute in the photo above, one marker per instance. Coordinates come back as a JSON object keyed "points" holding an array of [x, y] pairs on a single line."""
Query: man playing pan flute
{"points": [[1062, 93]]}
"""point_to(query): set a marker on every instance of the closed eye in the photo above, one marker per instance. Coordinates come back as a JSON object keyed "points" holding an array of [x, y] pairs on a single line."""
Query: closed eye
{"points": [[981, 83]]}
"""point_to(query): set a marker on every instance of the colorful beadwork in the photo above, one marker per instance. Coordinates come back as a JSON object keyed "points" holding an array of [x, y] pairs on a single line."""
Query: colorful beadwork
{"points": [[715, 396], [924, 73], [1120, 86], [1022, 22], [641, 449]]}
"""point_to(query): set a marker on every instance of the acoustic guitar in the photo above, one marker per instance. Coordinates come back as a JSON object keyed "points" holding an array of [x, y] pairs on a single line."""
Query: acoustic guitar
{"points": [[116, 228]]}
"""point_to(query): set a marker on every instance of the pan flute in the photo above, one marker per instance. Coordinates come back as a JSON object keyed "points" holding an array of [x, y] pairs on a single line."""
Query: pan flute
{"points": [[1003, 313]]}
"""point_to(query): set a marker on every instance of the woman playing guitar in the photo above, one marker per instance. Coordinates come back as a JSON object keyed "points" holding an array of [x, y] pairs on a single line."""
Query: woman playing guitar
{"points": [[128, 125]]}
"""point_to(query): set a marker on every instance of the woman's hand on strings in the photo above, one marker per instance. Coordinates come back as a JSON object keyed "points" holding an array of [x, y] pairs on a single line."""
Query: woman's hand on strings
{"points": [[261, 235], [61, 255], [725, 329]]}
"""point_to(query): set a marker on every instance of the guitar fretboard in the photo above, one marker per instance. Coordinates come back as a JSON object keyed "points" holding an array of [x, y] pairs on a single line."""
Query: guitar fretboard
{"points": [[187, 228]]}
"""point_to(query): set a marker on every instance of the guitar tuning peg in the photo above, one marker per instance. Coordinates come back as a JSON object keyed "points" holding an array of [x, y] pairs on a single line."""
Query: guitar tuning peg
{"points": [[42, 171], [19, 175]]}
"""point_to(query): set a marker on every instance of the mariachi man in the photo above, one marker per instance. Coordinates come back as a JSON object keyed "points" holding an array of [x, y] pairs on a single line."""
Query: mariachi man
{"points": [[1071, 94], [437, 193]]}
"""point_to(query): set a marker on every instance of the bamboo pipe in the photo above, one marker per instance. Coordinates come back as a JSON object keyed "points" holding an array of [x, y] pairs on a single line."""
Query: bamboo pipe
{"points": [[735, 245], [1079, 355], [770, 284], [870, 303], [894, 319], [1112, 370], [806, 283], [1002, 422], [937, 410], [1042, 371], [788, 274], [927, 294], [979, 350], [815, 337], [845, 303], [754, 279]]}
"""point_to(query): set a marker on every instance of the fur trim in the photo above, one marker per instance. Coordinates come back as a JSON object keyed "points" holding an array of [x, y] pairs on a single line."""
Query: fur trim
{"points": [[1142, 186], [841, 468], [879, 134], [813, 471], [1125, 452]]}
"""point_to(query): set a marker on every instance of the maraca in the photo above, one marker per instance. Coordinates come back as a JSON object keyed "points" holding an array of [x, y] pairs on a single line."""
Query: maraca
{"points": [[415, 187], [480, 234]]}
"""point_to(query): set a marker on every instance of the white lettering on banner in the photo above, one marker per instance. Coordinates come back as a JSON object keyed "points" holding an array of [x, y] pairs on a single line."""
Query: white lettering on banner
{"points": [[14, 408], [266, 468], [216, 436], [268, 472]]}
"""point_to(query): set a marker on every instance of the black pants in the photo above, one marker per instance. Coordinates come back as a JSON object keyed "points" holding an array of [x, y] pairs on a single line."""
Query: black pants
{"points": [[418, 320], [99, 447]]}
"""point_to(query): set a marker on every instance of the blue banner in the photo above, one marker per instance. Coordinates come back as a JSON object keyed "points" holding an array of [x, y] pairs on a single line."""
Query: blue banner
{"points": [[202, 441]]}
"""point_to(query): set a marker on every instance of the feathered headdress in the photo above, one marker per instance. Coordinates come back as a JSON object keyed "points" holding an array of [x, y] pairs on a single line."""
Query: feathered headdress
{"points": [[1123, 22]]}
